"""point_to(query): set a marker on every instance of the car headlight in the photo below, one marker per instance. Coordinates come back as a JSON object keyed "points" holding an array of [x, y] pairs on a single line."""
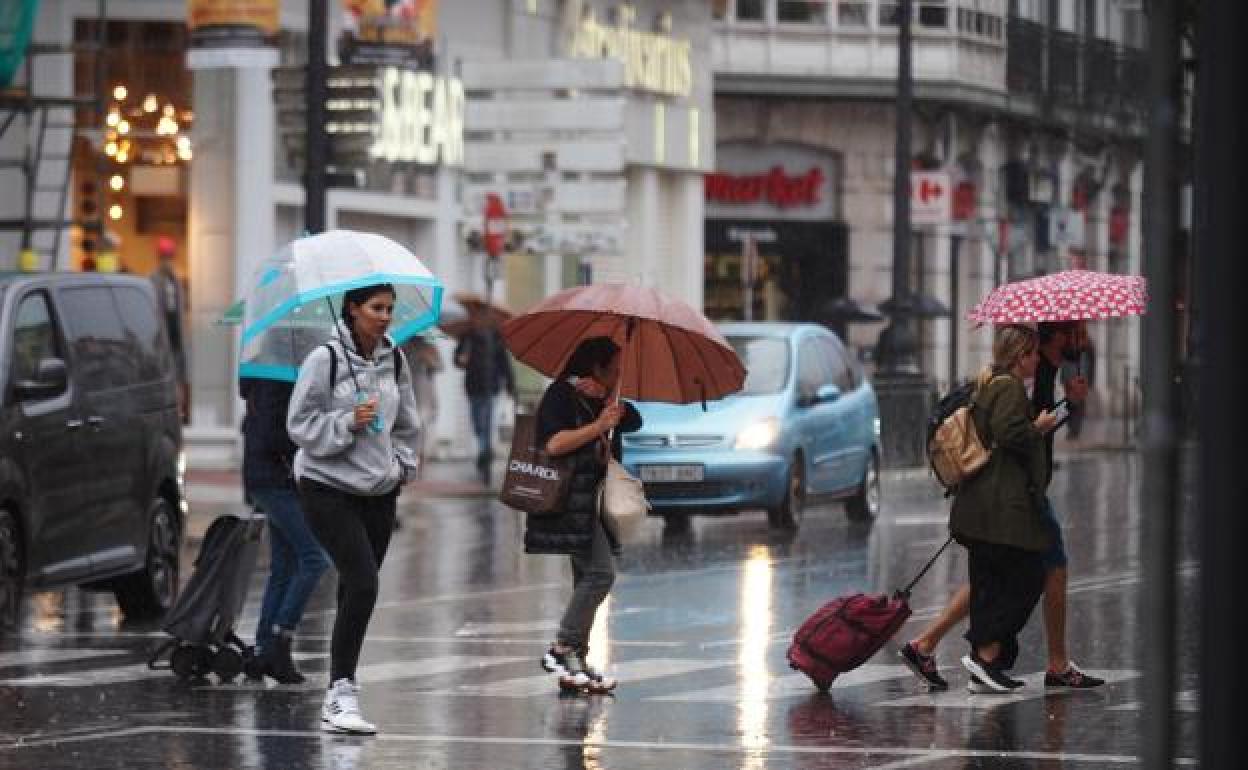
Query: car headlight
{"points": [[759, 435]]}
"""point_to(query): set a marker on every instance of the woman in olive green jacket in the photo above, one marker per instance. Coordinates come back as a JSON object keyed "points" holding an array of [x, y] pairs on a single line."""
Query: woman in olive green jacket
{"points": [[997, 515]]}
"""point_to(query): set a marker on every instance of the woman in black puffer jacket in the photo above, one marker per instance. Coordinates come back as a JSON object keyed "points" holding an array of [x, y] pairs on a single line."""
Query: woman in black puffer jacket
{"points": [[575, 418]]}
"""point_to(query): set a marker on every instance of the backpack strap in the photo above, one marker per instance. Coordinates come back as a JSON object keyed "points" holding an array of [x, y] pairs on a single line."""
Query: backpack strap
{"points": [[333, 366], [398, 363]]}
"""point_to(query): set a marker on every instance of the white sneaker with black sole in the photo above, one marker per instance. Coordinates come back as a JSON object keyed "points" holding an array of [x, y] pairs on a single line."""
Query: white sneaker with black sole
{"points": [[341, 712], [994, 680]]}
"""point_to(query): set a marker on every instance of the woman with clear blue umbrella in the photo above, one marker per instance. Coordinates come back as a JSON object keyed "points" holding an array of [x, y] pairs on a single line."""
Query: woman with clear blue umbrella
{"points": [[345, 300]]}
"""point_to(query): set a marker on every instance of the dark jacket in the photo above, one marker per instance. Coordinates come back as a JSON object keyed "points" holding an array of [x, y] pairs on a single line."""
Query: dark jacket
{"points": [[268, 452], [482, 354], [1001, 503], [571, 531]]}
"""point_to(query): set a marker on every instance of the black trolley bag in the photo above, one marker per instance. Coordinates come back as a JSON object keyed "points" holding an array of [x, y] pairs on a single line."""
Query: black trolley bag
{"points": [[203, 618]]}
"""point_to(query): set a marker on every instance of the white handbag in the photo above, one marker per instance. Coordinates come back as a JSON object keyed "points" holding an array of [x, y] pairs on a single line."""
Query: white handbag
{"points": [[621, 495]]}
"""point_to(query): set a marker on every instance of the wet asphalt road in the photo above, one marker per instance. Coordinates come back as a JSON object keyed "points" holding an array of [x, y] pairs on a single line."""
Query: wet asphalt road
{"points": [[696, 629]]}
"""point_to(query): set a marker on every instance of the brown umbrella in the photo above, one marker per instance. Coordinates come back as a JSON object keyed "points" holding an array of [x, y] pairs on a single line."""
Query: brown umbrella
{"points": [[671, 352], [465, 309]]}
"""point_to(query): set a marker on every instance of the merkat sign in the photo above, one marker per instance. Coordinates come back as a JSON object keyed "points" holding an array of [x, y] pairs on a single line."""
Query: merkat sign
{"points": [[421, 118], [774, 187], [652, 62]]}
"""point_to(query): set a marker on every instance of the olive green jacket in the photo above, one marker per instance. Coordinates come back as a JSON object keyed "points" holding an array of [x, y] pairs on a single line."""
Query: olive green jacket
{"points": [[1002, 503]]}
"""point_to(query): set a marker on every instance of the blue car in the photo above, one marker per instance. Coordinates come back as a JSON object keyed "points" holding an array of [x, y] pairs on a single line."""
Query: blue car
{"points": [[806, 425]]}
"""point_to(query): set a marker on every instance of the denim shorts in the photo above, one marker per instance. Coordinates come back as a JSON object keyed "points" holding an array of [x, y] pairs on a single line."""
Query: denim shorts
{"points": [[1056, 555]]}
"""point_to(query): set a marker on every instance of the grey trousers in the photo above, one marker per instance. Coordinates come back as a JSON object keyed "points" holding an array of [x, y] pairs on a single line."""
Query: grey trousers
{"points": [[593, 574]]}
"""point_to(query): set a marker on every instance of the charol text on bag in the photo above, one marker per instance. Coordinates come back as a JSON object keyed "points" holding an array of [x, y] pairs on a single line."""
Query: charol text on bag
{"points": [[534, 481]]}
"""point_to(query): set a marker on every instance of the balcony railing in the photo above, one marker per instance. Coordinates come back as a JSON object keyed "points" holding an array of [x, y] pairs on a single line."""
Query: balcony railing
{"points": [[1068, 71]]}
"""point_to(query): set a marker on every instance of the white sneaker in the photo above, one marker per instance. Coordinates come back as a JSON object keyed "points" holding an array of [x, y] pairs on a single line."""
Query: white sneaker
{"points": [[975, 687], [341, 712]]}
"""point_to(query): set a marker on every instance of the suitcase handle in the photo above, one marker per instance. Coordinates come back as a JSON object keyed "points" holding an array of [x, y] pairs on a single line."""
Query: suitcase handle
{"points": [[904, 593]]}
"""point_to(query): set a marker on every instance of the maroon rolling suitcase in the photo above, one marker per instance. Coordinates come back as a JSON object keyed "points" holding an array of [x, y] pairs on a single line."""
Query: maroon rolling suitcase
{"points": [[844, 633]]}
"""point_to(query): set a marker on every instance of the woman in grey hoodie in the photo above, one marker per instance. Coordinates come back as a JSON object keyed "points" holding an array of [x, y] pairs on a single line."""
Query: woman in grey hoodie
{"points": [[355, 421]]}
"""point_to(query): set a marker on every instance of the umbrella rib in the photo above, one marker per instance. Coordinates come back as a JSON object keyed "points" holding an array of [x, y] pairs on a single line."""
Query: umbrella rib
{"points": [[671, 349]]}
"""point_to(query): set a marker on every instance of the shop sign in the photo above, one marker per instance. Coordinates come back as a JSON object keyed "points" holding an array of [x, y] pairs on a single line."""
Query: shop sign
{"points": [[420, 118], [495, 225], [931, 198], [775, 187], [1119, 225], [393, 32], [964, 203], [232, 33], [653, 61]]}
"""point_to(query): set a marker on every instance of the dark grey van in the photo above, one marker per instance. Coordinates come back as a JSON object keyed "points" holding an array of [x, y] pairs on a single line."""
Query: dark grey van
{"points": [[90, 440]]}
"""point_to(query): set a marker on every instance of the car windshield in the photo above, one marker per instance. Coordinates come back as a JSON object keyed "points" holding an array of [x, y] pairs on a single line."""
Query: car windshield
{"points": [[766, 360]]}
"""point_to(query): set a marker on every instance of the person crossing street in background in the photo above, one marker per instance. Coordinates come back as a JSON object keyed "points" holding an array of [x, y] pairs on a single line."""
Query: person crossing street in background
{"points": [[171, 299], [296, 559], [482, 354]]}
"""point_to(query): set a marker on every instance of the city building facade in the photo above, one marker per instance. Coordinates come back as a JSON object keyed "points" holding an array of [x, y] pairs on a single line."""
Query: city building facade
{"points": [[1027, 139]]}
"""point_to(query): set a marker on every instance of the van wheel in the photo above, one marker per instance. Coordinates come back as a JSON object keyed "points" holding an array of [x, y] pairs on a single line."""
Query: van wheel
{"points": [[788, 515], [865, 505], [149, 593], [12, 572]]}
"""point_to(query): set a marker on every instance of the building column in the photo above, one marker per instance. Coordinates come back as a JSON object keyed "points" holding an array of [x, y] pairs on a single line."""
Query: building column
{"points": [[231, 226]]}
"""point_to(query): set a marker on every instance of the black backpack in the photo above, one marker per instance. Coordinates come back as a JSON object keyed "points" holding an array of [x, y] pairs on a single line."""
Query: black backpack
{"points": [[333, 364]]}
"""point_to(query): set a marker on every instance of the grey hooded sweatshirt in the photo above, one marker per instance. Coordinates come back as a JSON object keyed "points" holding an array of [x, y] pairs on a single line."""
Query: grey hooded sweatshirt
{"points": [[321, 420]]}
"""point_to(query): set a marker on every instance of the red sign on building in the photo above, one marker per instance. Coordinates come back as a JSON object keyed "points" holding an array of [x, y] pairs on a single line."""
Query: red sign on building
{"points": [[774, 187], [495, 225]]}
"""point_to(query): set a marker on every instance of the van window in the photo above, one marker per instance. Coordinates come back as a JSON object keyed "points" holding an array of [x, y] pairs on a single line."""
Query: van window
{"points": [[142, 326], [34, 336], [104, 355]]}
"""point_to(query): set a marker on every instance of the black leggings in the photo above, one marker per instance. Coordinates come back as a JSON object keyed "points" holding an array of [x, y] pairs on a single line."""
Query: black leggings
{"points": [[355, 532]]}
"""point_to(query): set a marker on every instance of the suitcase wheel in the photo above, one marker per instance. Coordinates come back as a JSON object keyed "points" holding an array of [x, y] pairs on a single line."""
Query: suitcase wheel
{"points": [[227, 664]]}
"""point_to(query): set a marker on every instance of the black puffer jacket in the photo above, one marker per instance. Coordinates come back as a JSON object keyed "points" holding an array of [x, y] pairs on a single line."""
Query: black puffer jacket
{"points": [[571, 531]]}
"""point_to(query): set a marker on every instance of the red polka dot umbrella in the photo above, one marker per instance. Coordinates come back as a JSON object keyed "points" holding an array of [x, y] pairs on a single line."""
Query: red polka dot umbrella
{"points": [[1072, 295]]}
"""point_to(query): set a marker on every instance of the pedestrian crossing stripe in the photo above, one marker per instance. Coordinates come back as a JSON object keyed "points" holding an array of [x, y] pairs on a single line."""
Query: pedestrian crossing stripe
{"points": [[627, 671], [130, 672], [790, 685], [780, 686], [381, 673], [1185, 702], [1033, 687], [42, 655]]}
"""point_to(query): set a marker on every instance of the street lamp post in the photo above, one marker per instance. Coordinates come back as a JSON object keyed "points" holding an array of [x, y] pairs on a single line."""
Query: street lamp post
{"points": [[904, 394], [316, 152]]}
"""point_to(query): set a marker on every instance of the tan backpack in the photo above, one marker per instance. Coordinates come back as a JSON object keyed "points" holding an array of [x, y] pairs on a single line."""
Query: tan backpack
{"points": [[954, 447]]}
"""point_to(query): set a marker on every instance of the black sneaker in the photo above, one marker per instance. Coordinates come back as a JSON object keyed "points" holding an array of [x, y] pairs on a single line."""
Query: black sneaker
{"points": [[988, 675], [1072, 677], [923, 666], [567, 668]]}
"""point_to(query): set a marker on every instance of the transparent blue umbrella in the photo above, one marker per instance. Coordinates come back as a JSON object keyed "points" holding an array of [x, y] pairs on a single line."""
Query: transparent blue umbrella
{"points": [[294, 299]]}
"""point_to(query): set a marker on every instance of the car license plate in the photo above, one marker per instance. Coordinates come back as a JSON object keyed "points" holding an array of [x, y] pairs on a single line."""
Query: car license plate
{"points": [[662, 473]]}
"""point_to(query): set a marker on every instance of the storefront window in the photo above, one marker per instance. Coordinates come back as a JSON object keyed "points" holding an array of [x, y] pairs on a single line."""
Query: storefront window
{"points": [[750, 10], [802, 11], [852, 14], [931, 14], [130, 161]]}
